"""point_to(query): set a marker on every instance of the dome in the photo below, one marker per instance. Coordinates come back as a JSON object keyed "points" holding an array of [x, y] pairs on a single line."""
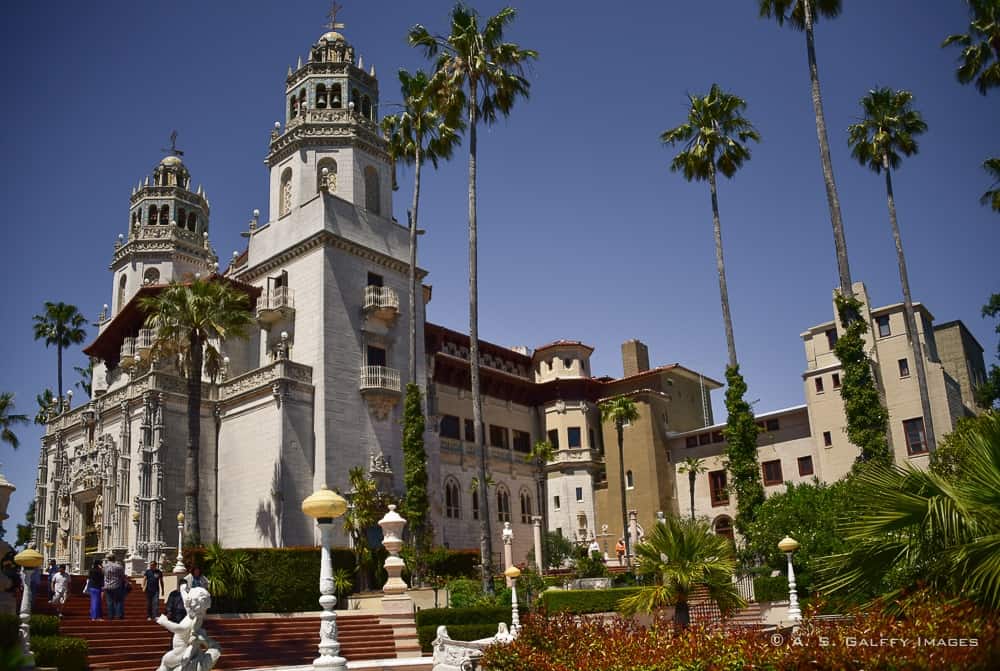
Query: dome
{"points": [[332, 36], [171, 160]]}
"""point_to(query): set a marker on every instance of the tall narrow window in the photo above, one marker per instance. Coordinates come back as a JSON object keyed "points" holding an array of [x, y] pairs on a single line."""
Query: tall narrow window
{"points": [[525, 508], [819, 385], [503, 505], [904, 368], [470, 431], [376, 356], [883, 326], [805, 465], [553, 435], [717, 488], [151, 215], [452, 504], [629, 480], [831, 338], [573, 436], [372, 195], [448, 428], [724, 527], [335, 97], [321, 99], [772, 472], [121, 292], [193, 222], [555, 502], [285, 195], [579, 494], [164, 215], [836, 380], [498, 436], [916, 439], [521, 441], [366, 107], [475, 504]]}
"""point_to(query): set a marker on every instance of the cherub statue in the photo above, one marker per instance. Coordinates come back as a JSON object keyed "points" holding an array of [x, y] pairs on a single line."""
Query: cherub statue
{"points": [[193, 649]]}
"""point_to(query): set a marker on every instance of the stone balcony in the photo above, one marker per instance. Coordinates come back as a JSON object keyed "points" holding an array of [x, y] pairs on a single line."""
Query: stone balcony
{"points": [[275, 305], [381, 387], [144, 342], [381, 303], [128, 349]]}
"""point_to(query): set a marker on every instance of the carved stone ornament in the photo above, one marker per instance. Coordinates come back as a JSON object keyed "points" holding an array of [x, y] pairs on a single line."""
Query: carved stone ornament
{"points": [[381, 406], [192, 648]]}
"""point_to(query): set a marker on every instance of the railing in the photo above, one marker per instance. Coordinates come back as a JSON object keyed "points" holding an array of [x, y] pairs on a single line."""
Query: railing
{"points": [[276, 299], [744, 585], [145, 339], [380, 377], [128, 348], [380, 298]]}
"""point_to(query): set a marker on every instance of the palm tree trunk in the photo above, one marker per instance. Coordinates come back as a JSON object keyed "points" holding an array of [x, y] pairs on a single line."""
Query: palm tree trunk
{"points": [[682, 614], [542, 501], [911, 323], [720, 266], [839, 241], [621, 483], [485, 539], [691, 478], [59, 389], [191, 484], [413, 265]]}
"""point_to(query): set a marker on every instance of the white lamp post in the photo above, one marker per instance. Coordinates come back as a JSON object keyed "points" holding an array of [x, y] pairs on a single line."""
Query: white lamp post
{"points": [[179, 566], [323, 506], [29, 560], [788, 545], [513, 573]]}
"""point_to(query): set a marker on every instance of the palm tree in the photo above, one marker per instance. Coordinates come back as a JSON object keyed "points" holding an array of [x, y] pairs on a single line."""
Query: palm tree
{"points": [[420, 131], [914, 526], [889, 128], [492, 71], [715, 137], [8, 420], [802, 15], [693, 466], [992, 197], [86, 382], [541, 454], [187, 318], [980, 59], [684, 556], [61, 325], [620, 411], [45, 402]]}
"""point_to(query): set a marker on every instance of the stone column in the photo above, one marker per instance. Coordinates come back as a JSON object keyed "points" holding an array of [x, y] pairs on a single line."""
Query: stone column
{"points": [[508, 542], [397, 606], [536, 528], [633, 534]]}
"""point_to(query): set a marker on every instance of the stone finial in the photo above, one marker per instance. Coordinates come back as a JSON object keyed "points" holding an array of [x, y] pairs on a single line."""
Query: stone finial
{"points": [[361, 62], [392, 529], [372, 73], [298, 65]]}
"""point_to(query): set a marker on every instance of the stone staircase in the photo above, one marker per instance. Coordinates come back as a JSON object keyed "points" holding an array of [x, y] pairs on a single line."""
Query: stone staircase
{"points": [[136, 644], [704, 612]]}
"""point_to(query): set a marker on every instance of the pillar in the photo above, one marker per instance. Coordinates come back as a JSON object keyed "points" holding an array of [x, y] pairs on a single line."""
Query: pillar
{"points": [[536, 529], [397, 606], [508, 542]]}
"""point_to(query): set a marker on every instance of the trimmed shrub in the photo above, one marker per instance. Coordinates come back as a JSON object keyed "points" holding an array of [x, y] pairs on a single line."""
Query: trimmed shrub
{"points": [[766, 588], [62, 652], [9, 627], [432, 617], [579, 601], [457, 632], [456, 563], [44, 625]]}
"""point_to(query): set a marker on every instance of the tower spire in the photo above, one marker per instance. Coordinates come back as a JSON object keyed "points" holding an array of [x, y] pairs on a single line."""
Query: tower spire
{"points": [[173, 145], [335, 8]]}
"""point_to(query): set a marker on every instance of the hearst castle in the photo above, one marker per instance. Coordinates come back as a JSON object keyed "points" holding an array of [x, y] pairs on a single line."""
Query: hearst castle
{"points": [[316, 388]]}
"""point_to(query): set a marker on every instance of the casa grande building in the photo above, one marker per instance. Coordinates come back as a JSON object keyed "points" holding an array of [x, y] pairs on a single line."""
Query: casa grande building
{"points": [[316, 387]]}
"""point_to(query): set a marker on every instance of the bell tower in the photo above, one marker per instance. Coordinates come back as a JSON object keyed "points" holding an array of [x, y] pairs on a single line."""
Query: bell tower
{"points": [[168, 232], [330, 142]]}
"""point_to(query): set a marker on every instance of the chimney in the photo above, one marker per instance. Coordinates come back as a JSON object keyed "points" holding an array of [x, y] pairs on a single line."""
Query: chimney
{"points": [[635, 357]]}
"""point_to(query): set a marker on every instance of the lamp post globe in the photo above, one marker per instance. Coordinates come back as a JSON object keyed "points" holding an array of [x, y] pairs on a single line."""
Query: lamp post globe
{"points": [[324, 506]]}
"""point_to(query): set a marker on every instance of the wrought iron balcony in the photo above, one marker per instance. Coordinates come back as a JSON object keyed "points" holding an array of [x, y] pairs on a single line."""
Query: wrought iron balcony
{"points": [[276, 304], [144, 342], [380, 379], [381, 302], [128, 349]]}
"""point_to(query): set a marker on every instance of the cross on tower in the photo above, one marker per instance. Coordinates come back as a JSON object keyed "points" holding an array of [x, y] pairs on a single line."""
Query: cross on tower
{"points": [[173, 145], [335, 8]]}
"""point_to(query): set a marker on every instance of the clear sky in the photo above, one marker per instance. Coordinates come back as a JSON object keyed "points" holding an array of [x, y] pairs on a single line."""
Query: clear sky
{"points": [[584, 232]]}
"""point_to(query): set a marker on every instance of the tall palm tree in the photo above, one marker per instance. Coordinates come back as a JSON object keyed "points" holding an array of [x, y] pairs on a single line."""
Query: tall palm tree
{"points": [[715, 138], [187, 318], [693, 466], [992, 196], [9, 419], [620, 411], [888, 129], [802, 15], [542, 452], [484, 75], [980, 59], [912, 526], [420, 131], [684, 556], [61, 325]]}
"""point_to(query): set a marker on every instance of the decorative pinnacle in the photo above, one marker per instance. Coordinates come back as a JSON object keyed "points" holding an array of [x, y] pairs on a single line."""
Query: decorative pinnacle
{"points": [[335, 8]]}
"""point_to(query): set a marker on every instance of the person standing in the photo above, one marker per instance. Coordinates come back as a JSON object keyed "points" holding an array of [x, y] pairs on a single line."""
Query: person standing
{"points": [[60, 589], [175, 606], [196, 579], [51, 571], [114, 587], [95, 589], [153, 587], [620, 551]]}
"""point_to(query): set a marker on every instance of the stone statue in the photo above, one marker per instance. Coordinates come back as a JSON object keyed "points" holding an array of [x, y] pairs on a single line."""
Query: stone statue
{"points": [[98, 510], [64, 514], [193, 649]]}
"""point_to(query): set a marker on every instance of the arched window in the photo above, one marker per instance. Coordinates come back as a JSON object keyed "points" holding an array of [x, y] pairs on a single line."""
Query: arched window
{"points": [[372, 195], [121, 292], [503, 504], [452, 502], [302, 101], [629, 482], [293, 107], [331, 175], [724, 527], [366, 107], [321, 98], [181, 217], [151, 276], [164, 215], [475, 504], [525, 507], [356, 99], [336, 97], [192, 221], [285, 195], [151, 215]]}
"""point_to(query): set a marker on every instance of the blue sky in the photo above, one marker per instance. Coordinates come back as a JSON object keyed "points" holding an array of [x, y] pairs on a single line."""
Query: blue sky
{"points": [[585, 234]]}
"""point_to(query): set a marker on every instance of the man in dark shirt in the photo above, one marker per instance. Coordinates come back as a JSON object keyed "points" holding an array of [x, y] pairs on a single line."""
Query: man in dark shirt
{"points": [[154, 585], [114, 587]]}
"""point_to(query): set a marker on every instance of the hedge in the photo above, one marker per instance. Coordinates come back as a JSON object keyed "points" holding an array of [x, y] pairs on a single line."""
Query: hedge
{"points": [[432, 617], [766, 588], [10, 625], [44, 625], [457, 632], [282, 580], [585, 600], [62, 652], [457, 563]]}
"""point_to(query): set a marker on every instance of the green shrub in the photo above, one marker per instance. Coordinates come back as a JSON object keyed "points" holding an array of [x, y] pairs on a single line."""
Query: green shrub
{"points": [[585, 600], [432, 617], [590, 567], [9, 627], [766, 588], [62, 652], [457, 632], [44, 625], [457, 563]]}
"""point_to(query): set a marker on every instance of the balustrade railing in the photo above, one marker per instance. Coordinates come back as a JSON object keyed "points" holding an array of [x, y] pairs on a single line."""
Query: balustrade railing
{"points": [[145, 339], [276, 299], [381, 298], [128, 348], [380, 377]]}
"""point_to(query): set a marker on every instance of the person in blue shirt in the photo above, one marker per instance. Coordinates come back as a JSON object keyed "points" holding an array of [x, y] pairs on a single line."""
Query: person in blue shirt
{"points": [[153, 588]]}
